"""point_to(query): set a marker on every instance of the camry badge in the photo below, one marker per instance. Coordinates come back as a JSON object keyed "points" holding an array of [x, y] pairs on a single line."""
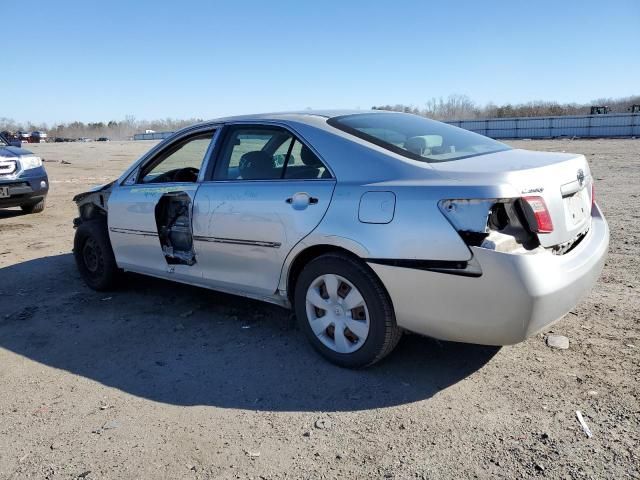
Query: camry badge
{"points": [[580, 177]]}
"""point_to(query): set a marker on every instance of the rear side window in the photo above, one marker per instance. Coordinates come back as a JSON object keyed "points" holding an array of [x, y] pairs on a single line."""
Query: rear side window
{"points": [[266, 153], [417, 137]]}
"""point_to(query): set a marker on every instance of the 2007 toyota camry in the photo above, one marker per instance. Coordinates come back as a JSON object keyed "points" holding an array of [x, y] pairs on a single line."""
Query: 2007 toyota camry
{"points": [[366, 223]]}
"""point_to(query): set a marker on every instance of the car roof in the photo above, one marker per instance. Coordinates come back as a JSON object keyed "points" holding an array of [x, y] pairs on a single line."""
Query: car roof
{"points": [[302, 116]]}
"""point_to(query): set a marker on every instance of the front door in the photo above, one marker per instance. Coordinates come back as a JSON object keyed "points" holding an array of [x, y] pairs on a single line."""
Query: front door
{"points": [[268, 192], [150, 214]]}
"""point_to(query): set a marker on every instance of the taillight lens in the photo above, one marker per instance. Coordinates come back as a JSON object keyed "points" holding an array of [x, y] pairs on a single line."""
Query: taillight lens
{"points": [[543, 223], [593, 194]]}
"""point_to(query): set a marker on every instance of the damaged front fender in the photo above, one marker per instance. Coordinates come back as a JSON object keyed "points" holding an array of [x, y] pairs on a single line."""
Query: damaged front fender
{"points": [[93, 203]]}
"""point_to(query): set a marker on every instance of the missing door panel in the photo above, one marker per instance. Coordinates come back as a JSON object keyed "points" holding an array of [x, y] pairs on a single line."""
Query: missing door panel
{"points": [[173, 219]]}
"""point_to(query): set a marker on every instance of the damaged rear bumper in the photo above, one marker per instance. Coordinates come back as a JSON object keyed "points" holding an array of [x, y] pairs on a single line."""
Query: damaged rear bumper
{"points": [[516, 296]]}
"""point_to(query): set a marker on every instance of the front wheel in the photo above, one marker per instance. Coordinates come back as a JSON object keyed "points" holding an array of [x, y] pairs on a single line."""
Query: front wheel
{"points": [[345, 311], [33, 207], [94, 255]]}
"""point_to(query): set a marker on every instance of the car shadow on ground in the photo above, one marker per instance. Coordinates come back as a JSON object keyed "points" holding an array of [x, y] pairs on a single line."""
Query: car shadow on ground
{"points": [[184, 345]]}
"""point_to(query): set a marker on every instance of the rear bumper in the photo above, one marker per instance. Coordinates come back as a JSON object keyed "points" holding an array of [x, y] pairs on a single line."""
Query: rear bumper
{"points": [[516, 296], [25, 188]]}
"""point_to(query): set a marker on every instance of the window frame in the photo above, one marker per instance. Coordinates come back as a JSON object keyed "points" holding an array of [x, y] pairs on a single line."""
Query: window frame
{"points": [[132, 177], [169, 150], [215, 165]]}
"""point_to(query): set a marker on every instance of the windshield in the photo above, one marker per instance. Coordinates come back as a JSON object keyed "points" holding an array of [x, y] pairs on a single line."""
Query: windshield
{"points": [[3, 142], [417, 137]]}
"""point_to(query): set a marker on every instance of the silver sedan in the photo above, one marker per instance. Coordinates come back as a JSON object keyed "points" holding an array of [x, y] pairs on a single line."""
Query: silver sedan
{"points": [[366, 223]]}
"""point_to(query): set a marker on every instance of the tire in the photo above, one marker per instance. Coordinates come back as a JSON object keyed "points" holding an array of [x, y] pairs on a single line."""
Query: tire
{"points": [[33, 207], [374, 315], [94, 255]]}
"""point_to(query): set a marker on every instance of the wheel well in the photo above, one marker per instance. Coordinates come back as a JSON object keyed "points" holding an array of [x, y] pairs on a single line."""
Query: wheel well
{"points": [[91, 211], [304, 258]]}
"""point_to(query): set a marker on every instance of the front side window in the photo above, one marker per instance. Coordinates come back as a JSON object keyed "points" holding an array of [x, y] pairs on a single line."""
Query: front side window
{"points": [[417, 137], [180, 162], [266, 153]]}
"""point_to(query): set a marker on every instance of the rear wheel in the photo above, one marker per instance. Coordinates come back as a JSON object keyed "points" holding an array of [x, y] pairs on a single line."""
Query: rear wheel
{"points": [[345, 311], [94, 255], [33, 207]]}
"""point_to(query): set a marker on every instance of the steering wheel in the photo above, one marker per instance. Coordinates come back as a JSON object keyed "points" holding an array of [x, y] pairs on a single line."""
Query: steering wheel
{"points": [[188, 174]]}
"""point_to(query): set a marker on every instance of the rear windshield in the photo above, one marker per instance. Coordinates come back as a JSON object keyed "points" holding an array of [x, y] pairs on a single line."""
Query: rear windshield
{"points": [[417, 137]]}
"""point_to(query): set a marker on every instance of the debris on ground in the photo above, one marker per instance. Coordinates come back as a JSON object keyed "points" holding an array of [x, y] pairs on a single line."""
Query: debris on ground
{"points": [[583, 424], [558, 341], [323, 424], [111, 425]]}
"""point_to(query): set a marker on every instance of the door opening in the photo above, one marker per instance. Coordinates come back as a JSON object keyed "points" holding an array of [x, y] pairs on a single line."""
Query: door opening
{"points": [[173, 219]]}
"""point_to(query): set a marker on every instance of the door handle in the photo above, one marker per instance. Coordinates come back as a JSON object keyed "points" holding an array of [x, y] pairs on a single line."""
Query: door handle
{"points": [[301, 200]]}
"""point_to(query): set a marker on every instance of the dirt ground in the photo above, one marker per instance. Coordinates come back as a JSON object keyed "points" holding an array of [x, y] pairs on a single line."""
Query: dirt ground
{"points": [[163, 381]]}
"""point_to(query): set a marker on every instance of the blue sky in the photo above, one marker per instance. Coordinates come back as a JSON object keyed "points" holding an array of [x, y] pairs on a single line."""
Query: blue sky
{"points": [[100, 60]]}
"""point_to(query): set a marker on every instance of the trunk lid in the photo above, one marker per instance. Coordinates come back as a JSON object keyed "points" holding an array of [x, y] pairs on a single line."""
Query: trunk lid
{"points": [[563, 180]]}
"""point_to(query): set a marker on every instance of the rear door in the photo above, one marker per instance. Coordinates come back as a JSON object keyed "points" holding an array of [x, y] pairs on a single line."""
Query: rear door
{"points": [[267, 192], [150, 213]]}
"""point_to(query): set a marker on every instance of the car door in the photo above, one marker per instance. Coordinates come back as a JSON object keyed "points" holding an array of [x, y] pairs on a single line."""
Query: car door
{"points": [[267, 192], [150, 213]]}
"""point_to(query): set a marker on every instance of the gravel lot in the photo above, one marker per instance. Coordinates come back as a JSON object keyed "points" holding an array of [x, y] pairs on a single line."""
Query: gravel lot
{"points": [[158, 380]]}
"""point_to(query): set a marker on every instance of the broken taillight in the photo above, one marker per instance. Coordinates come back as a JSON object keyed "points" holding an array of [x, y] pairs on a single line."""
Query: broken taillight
{"points": [[542, 218]]}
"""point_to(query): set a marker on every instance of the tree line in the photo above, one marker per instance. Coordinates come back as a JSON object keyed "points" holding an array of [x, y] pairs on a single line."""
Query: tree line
{"points": [[461, 107], [113, 129]]}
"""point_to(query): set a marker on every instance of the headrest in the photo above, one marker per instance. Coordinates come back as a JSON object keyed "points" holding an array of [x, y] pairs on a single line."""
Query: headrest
{"points": [[423, 144], [417, 145], [309, 158], [256, 165]]}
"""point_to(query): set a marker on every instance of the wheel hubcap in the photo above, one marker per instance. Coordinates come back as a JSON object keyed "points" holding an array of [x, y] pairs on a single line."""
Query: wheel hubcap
{"points": [[337, 313]]}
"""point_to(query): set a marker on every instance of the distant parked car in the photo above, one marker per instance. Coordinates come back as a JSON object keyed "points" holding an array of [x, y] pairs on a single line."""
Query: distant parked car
{"points": [[366, 223], [103, 139], [23, 179], [37, 137]]}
